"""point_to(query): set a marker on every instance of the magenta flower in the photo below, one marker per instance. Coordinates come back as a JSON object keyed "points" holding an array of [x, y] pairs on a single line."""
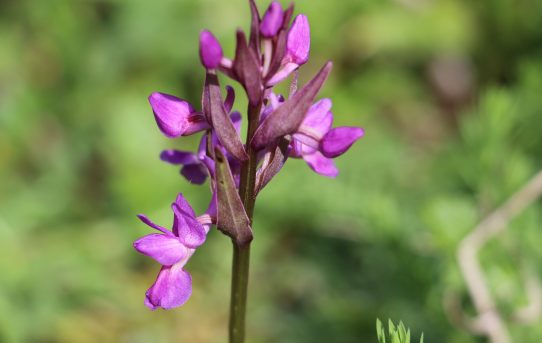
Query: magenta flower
{"points": [[317, 143], [297, 53], [176, 117], [172, 249]]}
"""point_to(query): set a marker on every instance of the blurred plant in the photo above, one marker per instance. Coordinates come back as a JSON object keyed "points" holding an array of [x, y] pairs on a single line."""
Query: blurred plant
{"points": [[278, 128], [395, 334]]}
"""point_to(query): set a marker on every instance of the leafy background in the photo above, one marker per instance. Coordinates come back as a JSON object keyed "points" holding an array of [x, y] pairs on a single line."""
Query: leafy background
{"points": [[448, 92]]}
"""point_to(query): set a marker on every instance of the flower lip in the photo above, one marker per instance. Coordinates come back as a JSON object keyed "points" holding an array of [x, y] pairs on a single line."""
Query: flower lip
{"points": [[172, 288], [210, 50], [272, 20]]}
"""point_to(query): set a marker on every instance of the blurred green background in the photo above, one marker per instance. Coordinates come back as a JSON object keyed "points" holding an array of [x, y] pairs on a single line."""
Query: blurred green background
{"points": [[450, 95]]}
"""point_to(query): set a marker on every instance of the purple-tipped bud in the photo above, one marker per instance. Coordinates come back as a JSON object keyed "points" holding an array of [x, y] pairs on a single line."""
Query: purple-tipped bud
{"points": [[272, 20], [210, 51], [174, 116], [299, 40]]}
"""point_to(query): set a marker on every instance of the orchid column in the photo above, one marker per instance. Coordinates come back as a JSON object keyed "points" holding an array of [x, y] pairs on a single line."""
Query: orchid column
{"points": [[279, 127]]}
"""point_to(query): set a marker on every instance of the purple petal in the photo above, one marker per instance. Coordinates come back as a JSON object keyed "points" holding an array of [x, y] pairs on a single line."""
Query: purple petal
{"points": [[272, 20], [210, 50], [147, 221], [210, 164], [173, 115], [316, 124], [185, 225], [195, 173], [236, 120], [165, 249], [212, 209], [172, 288], [178, 157], [321, 164], [282, 74], [299, 40], [338, 140]]}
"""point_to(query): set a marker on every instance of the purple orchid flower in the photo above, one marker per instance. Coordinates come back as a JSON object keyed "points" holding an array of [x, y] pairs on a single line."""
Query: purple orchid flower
{"points": [[172, 249], [317, 143], [297, 53], [240, 168]]}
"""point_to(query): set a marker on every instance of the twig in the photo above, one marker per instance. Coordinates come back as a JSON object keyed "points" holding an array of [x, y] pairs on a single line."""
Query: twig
{"points": [[490, 319]]}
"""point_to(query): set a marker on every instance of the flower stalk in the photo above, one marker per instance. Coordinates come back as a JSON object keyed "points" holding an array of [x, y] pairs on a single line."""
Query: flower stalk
{"points": [[241, 253]]}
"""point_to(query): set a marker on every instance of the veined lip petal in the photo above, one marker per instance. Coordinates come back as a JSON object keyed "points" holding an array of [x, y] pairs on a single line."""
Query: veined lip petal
{"points": [[299, 41], [172, 288], [171, 113]]}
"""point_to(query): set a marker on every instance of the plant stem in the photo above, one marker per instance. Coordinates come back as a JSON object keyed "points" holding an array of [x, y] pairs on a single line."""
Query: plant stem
{"points": [[241, 253], [239, 285]]}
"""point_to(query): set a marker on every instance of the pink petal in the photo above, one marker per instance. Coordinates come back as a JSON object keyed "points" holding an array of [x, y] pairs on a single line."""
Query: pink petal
{"points": [[299, 40], [166, 250], [321, 164], [172, 288], [186, 226], [337, 141], [147, 221], [282, 73]]}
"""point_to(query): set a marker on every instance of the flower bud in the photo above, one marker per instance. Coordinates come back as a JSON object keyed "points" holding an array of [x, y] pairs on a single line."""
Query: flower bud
{"points": [[272, 20], [210, 51], [299, 40]]}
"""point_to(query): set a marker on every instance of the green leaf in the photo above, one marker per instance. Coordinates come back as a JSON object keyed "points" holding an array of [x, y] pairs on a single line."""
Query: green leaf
{"points": [[380, 332]]}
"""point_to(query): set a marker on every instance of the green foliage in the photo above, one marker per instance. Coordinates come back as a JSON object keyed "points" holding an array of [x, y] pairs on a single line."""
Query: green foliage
{"points": [[79, 158], [395, 334]]}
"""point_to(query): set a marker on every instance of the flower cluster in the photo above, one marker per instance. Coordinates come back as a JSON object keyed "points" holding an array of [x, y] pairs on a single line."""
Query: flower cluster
{"points": [[279, 127]]}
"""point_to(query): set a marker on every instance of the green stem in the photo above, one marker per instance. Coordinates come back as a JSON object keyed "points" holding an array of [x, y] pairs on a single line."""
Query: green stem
{"points": [[239, 286], [241, 253]]}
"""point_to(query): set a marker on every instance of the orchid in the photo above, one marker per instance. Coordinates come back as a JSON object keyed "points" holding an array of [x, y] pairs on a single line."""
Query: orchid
{"points": [[172, 249], [317, 143], [279, 127]]}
